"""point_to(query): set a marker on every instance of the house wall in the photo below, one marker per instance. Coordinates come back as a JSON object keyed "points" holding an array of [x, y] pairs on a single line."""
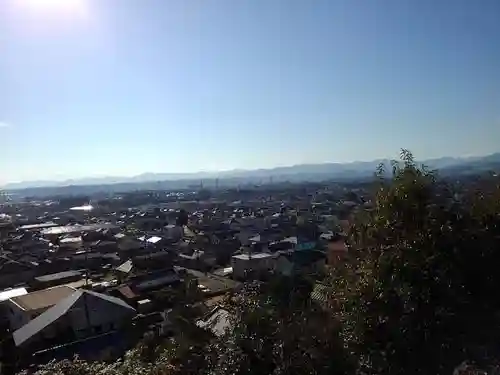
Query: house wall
{"points": [[89, 316], [242, 266], [287, 268], [17, 316]]}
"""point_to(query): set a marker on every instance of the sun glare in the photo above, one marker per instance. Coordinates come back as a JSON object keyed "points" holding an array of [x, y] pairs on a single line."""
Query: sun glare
{"points": [[66, 8]]}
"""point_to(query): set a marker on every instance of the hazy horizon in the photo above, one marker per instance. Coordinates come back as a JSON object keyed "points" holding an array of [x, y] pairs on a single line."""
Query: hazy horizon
{"points": [[219, 173], [91, 88]]}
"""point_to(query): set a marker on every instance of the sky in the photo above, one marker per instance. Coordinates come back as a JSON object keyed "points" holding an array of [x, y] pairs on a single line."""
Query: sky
{"points": [[121, 87]]}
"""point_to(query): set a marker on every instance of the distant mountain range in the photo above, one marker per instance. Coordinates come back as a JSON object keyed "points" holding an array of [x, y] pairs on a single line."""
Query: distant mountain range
{"points": [[295, 173]]}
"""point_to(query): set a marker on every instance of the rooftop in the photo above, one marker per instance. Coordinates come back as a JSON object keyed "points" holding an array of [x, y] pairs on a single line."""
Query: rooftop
{"points": [[215, 284], [125, 267], [86, 207], [253, 256], [154, 239], [71, 240], [11, 293], [42, 298], [38, 226], [76, 229], [57, 276]]}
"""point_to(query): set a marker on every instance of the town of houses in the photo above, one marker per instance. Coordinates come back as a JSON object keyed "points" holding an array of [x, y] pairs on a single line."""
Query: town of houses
{"points": [[90, 276]]}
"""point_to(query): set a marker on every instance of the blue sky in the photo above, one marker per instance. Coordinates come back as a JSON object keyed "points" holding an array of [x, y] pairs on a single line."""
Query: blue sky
{"points": [[121, 87]]}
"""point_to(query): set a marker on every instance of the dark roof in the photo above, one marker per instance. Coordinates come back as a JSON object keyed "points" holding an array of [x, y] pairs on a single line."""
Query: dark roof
{"points": [[108, 298], [215, 283], [155, 279], [57, 276], [42, 321], [150, 256], [43, 298], [6, 262], [105, 243], [303, 258], [126, 292]]}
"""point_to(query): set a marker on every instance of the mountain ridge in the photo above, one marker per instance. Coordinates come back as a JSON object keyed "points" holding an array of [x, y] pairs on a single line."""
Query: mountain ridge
{"points": [[356, 168]]}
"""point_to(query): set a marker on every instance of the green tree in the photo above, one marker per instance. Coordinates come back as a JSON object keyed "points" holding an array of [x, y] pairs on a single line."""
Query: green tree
{"points": [[419, 292], [182, 218], [277, 329]]}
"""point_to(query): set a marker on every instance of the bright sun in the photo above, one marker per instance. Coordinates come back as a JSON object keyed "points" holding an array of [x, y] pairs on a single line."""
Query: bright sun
{"points": [[60, 7]]}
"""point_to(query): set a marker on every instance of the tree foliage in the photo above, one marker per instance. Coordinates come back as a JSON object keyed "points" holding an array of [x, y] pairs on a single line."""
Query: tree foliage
{"points": [[419, 293], [182, 218], [277, 329]]}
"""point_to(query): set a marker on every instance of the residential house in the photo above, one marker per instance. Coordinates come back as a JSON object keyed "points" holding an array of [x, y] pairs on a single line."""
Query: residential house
{"points": [[212, 285], [106, 246], [4, 308], [54, 279], [248, 264], [25, 307], [154, 260], [13, 272], [154, 280], [70, 243], [198, 259], [292, 262], [295, 243], [173, 232], [81, 314], [129, 246], [124, 270]]}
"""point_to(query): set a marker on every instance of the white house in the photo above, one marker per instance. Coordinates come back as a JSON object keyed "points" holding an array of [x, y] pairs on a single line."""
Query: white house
{"points": [[243, 264]]}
